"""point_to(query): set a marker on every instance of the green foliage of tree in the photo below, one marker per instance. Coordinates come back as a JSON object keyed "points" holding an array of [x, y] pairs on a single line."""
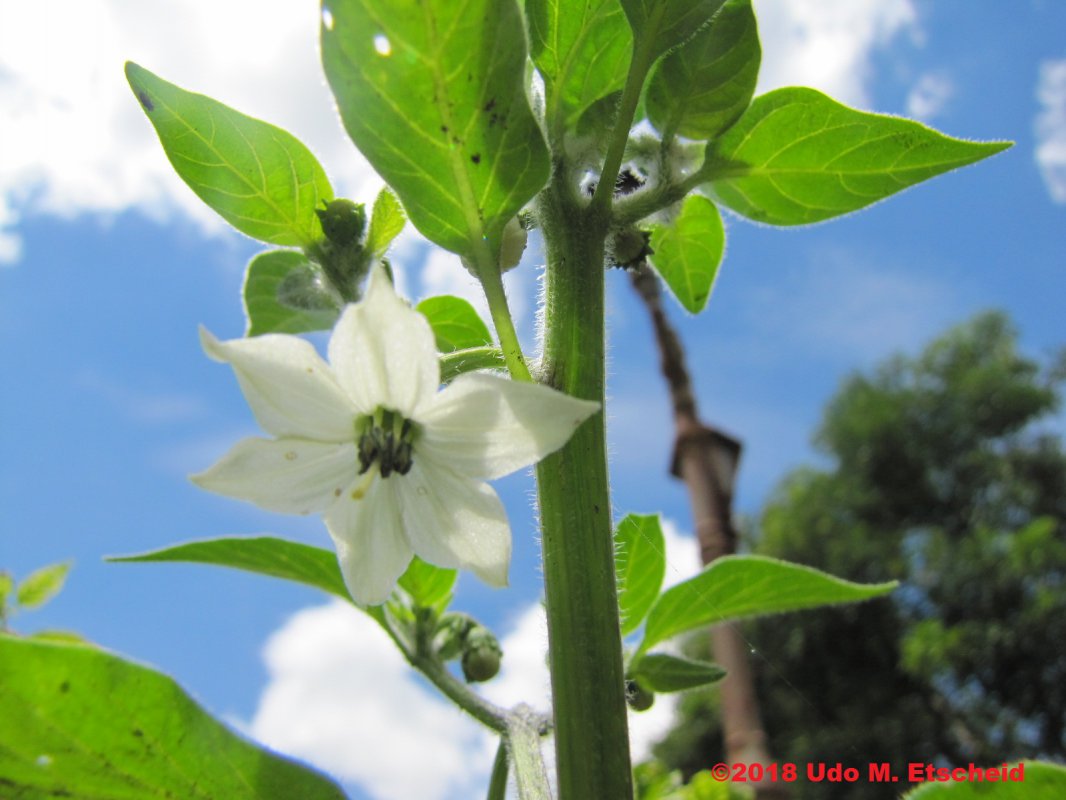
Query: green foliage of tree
{"points": [[946, 475]]}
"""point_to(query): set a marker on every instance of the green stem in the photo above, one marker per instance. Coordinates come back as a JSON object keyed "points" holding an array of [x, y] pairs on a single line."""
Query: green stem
{"points": [[498, 780], [616, 147], [591, 736], [659, 197], [524, 740], [492, 283], [483, 711]]}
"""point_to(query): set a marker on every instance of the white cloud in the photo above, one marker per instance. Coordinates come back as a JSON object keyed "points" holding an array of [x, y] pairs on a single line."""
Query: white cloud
{"points": [[74, 139], [340, 696], [930, 95], [827, 44], [1051, 128]]}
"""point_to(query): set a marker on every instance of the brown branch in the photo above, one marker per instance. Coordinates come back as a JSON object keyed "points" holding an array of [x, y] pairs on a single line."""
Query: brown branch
{"points": [[706, 460]]}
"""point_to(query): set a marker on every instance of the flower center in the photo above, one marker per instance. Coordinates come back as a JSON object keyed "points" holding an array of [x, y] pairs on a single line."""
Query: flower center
{"points": [[385, 438]]}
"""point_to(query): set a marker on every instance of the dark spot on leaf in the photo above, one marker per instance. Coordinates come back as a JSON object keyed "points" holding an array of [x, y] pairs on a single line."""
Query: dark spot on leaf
{"points": [[138, 733], [146, 101], [64, 687], [456, 140], [443, 128], [476, 158], [490, 105]]}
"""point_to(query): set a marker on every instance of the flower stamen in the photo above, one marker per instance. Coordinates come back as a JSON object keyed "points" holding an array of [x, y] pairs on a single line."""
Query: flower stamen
{"points": [[385, 439]]}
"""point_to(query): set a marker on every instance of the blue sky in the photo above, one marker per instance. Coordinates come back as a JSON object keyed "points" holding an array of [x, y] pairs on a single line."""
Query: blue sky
{"points": [[110, 264]]}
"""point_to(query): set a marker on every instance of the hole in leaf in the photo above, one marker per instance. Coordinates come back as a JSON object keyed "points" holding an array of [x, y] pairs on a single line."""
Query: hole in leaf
{"points": [[327, 18], [44, 760], [382, 45]]}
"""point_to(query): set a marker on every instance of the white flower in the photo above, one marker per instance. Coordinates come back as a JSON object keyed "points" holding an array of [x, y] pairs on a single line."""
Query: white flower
{"points": [[395, 466]]}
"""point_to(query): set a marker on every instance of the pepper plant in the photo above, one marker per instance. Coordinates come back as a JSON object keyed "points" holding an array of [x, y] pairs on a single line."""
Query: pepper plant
{"points": [[617, 129]]}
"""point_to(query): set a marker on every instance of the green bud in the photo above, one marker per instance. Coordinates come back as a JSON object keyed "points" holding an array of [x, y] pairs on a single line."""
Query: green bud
{"points": [[343, 221], [629, 247], [513, 244], [481, 655], [638, 698], [451, 634]]}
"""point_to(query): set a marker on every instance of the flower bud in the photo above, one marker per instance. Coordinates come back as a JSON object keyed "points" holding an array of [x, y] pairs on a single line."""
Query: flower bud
{"points": [[343, 221], [451, 634], [513, 244], [638, 698], [481, 655]]}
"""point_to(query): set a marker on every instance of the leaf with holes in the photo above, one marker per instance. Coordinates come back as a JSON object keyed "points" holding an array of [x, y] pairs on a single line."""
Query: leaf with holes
{"points": [[704, 86], [265, 282], [660, 672], [455, 323], [736, 587], [80, 722], [797, 156], [688, 251], [639, 566], [261, 179], [582, 50], [434, 97], [386, 222], [660, 25]]}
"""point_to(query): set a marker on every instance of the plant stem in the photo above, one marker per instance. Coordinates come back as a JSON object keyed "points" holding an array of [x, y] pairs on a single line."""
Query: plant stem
{"points": [[492, 284], [524, 741], [498, 779], [616, 147], [591, 736], [488, 714]]}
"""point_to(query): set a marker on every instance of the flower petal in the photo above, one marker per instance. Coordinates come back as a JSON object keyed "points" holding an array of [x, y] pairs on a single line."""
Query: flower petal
{"points": [[293, 476], [290, 388], [485, 426], [371, 546], [453, 521], [383, 351]]}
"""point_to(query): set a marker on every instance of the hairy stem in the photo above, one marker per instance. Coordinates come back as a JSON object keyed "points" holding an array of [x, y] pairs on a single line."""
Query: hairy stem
{"points": [[498, 779], [492, 284], [591, 736]]}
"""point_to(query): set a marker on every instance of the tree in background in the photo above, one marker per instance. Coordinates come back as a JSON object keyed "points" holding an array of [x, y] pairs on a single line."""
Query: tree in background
{"points": [[945, 475]]}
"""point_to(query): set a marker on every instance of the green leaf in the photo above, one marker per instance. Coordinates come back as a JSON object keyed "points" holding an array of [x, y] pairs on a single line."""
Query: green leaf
{"points": [[660, 672], [735, 587], [661, 25], [582, 50], [454, 364], [639, 566], [79, 722], [703, 87], [7, 583], [429, 586], [261, 179], [688, 251], [42, 585], [433, 94], [386, 222], [455, 323], [265, 282], [265, 555], [1035, 780], [797, 156]]}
